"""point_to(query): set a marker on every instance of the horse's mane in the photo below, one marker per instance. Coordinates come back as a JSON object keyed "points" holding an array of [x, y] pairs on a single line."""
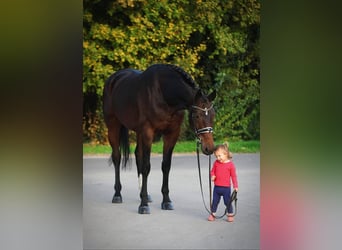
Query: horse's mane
{"points": [[188, 79]]}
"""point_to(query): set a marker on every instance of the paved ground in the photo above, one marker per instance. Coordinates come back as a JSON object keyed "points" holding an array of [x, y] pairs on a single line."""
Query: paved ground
{"points": [[119, 226]]}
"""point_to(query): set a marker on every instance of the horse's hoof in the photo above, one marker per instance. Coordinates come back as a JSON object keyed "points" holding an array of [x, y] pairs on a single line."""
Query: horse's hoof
{"points": [[167, 205], [144, 210], [117, 199]]}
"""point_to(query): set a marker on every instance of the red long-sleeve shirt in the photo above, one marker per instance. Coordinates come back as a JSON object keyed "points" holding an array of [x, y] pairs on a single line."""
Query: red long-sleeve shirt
{"points": [[224, 172]]}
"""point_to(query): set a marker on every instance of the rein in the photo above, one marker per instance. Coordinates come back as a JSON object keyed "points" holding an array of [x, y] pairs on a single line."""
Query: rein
{"points": [[233, 196]]}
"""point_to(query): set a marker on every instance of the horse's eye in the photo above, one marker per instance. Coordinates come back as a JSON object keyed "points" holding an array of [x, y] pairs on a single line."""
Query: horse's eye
{"points": [[196, 116]]}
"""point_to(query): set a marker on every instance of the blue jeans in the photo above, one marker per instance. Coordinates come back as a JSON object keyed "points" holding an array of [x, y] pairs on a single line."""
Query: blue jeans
{"points": [[217, 193]]}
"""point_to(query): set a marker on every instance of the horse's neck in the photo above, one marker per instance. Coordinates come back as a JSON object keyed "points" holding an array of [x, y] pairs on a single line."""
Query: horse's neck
{"points": [[180, 96]]}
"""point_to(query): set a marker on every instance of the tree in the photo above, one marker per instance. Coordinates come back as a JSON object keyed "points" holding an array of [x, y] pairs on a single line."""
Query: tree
{"points": [[214, 41]]}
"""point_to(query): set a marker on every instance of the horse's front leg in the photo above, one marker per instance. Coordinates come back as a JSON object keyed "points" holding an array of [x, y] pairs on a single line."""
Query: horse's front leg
{"points": [[166, 165], [139, 163], [169, 143], [143, 207], [143, 153]]}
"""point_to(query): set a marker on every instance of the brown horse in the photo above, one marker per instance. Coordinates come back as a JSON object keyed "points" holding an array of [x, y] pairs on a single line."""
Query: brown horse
{"points": [[152, 103]]}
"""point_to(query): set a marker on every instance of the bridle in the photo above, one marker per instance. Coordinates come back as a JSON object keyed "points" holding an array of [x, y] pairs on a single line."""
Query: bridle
{"points": [[204, 110], [205, 129]]}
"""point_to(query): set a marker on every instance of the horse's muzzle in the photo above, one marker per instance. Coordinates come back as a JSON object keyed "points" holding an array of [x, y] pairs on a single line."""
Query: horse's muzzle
{"points": [[207, 150]]}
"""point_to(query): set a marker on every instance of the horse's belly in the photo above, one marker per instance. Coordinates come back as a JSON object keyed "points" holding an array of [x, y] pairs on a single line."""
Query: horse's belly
{"points": [[166, 124]]}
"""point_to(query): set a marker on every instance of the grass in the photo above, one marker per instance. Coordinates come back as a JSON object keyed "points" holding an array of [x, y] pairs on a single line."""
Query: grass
{"points": [[181, 147]]}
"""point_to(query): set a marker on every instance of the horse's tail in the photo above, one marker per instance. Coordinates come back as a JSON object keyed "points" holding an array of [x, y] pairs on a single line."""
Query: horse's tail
{"points": [[124, 145]]}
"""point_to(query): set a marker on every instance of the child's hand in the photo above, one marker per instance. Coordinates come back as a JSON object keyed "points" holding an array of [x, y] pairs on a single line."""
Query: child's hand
{"points": [[236, 189], [213, 178]]}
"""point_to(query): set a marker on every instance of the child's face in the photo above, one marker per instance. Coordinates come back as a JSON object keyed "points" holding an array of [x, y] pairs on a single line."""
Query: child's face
{"points": [[221, 155]]}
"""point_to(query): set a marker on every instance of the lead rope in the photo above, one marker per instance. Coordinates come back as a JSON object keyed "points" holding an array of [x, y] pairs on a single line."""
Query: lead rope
{"points": [[232, 198], [200, 178]]}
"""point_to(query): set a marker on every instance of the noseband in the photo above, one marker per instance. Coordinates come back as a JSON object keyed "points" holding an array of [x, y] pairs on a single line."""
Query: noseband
{"points": [[206, 129]]}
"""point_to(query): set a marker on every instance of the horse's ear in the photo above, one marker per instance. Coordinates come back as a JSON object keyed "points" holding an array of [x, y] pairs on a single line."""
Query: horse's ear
{"points": [[212, 95], [199, 94]]}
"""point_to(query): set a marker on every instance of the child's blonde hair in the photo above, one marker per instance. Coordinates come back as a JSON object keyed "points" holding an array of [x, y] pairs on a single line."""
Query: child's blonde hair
{"points": [[224, 147]]}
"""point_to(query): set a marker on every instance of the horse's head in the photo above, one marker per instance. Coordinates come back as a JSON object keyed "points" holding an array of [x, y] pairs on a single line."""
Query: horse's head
{"points": [[201, 119]]}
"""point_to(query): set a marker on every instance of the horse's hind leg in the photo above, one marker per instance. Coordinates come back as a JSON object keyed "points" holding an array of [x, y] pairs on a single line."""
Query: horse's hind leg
{"points": [[113, 136], [117, 198]]}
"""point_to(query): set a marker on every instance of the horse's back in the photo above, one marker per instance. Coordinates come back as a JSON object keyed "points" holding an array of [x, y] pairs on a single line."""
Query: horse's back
{"points": [[118, 78], [134, 97]]}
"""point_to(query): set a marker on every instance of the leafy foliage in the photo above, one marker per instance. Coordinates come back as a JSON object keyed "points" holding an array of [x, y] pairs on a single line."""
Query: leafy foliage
{"points": [[217, 42]]}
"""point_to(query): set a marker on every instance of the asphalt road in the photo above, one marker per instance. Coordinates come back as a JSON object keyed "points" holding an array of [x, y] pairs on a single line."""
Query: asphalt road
{"points": [[119, 226]]}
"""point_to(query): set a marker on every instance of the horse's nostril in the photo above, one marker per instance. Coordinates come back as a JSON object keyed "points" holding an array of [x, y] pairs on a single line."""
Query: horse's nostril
{"points": [[209, 151], [206, 151]]}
